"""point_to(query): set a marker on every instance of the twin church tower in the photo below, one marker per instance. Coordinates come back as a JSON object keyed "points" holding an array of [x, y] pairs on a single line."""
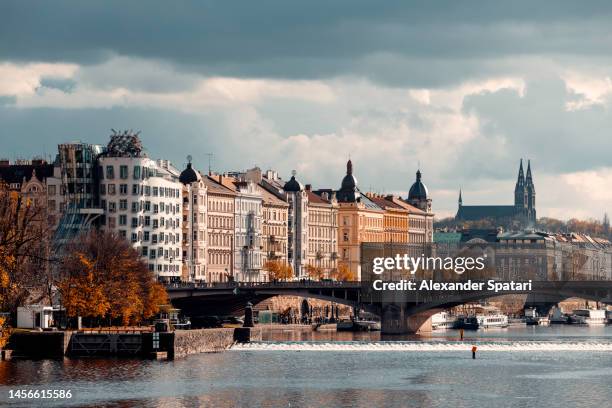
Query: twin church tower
{"points": [[523, 212]]}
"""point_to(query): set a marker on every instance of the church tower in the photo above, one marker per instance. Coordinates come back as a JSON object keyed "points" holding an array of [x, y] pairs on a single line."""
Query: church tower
{"points": [[531, 195], [520, 193]]}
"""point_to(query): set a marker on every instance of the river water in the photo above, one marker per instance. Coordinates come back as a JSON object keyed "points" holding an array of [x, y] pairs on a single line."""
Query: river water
{"points": [[558, 366]]}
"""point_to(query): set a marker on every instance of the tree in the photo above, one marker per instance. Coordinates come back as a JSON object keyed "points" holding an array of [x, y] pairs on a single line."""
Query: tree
{"points": [[103, 277], [23, 235], [343, 273], [278, 270], [315, 272]]}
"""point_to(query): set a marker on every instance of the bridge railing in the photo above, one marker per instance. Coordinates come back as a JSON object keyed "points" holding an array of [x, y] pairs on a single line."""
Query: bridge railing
{"points": [[302, 284]]}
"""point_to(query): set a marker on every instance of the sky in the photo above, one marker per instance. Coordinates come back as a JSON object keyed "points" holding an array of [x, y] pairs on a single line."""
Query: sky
{"points": [[463, 90]]}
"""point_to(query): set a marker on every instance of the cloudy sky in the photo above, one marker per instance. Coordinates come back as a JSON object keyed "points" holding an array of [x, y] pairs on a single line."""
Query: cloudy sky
{"points": [[464, 88]]}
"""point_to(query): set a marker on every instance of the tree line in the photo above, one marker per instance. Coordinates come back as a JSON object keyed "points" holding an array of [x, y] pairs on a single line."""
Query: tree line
{"points": [[592, 227]]}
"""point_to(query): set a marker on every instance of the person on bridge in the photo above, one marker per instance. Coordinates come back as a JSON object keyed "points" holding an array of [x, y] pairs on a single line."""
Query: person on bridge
{"points": [[474, 348]]}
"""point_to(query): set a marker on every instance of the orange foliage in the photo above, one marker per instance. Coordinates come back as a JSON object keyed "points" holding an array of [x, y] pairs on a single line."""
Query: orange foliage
{"points": [[279, 270], [315, 272], [343, 273], [104, 277]]}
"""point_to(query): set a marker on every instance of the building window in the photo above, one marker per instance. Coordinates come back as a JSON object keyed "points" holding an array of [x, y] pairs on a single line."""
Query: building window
{"points": [[135, 189], [110, 172], [146, 236], [134, 237], [112, 206], [111, 189], [102, 189], [123, 219], [134, 222], [123, 189], [123, 172], [135, 206], [122, 233], [147, 221], [147, 191], [136, 172], [123, 205], [155, 192]]}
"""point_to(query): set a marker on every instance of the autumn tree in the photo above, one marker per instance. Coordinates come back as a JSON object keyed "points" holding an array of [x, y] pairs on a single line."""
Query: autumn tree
{"points": [[315, 272], [343, 273], [23, 236], [278, 270], [103, 277]]}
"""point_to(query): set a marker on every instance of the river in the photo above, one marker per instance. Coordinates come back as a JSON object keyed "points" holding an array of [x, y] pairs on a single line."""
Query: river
{"points": [[557, 366]]}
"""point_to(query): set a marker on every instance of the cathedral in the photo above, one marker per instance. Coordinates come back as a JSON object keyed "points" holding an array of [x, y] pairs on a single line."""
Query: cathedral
{"points": [[522, 213]]}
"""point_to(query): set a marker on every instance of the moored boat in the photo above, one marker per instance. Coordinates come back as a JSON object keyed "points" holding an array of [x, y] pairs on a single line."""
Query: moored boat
{"points": [[496, 320]]}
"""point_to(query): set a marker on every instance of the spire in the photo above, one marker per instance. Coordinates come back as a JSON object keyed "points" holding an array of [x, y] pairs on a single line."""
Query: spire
{"points": [[529, 180], [521, 176], [349, 167], [460, 199], [418, 174]]}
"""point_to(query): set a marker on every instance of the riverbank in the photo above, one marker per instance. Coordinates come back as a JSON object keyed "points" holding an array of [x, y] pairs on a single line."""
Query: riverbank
{"points": [[146, 344]]}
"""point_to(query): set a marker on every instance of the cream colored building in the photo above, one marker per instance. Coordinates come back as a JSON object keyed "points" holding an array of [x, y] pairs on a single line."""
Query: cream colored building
{"points": [[195, 220], [322, 231], [220, 207], [274, 231]]}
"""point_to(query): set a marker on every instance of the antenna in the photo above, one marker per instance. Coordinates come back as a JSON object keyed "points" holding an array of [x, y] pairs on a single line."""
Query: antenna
{"points": [[189, 158], [210, 158]]}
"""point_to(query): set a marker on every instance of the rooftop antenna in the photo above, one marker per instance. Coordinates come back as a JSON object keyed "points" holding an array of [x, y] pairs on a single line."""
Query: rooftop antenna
{"points": [[210, 158], [189, 158]]}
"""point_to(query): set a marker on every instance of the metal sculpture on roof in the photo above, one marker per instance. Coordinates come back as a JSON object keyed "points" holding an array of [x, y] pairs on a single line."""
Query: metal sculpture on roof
{"points": [[124, 144]]}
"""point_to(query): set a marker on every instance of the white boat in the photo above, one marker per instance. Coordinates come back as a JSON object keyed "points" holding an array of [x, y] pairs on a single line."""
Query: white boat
{"points": [[442, 320], [495, 320], [592, 317], [557, 316]]}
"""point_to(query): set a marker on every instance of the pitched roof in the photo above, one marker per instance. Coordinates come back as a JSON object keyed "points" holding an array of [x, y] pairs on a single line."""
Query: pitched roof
{"points": [[215, 187], [316, 199], [270, 198]]}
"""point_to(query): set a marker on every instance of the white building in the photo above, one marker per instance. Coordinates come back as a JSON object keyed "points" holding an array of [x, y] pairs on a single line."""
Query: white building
{"points": [[195, 217], [248, 213], [141, 200], [297, 226]]}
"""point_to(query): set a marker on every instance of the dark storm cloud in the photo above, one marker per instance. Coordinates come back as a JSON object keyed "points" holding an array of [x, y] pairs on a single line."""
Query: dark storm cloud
{"points": [[416, 43]]}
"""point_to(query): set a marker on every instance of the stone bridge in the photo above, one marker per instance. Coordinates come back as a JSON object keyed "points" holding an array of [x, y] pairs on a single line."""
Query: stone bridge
{"points": [[400, 312]]}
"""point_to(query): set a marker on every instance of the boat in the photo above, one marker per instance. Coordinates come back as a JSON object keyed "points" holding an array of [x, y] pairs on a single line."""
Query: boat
{"points": [[533, 319], [495, 320], [358, 325], [442, 320], [592, 317], [466, 323], [516, 321], [543, 321], [558, 317]]}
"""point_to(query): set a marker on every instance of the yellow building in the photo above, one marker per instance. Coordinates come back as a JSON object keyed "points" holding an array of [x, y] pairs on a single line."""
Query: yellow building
{"points": [[359, 220], [396, 218]]}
